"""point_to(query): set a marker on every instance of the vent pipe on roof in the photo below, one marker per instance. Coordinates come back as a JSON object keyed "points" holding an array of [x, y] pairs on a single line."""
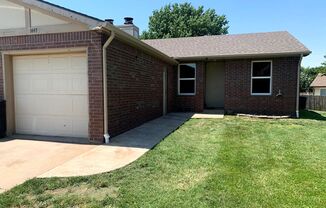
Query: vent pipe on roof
{"points": [[111, 21], [129, 21]]}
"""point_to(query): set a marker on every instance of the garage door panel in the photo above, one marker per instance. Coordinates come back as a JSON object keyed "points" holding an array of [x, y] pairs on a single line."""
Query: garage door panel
{"points": [[39, 84], [61, 84], [59, 126], [79, 84], [79, 63], [39, 66], [22, 65], [51, 99], [52, 126], [22, 84], [79, 127], [24, 124], [80, 106], [24, 105], [59, 63]]}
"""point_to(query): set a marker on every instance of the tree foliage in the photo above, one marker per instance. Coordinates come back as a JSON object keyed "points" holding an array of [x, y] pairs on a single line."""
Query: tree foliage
{"points": [[308, 74], [324, 63], [184, 20]]}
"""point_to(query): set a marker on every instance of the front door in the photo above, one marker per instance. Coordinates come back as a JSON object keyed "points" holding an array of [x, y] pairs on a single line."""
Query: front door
{"points": [[215, 78]]}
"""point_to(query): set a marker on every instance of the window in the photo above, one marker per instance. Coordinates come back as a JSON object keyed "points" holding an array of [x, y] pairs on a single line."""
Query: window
{"points": [[261, 78], [187, 79], [322, 92]]}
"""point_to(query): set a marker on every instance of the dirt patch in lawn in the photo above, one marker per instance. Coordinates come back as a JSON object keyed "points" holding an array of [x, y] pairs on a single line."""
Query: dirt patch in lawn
{"points": [[84, 191]]}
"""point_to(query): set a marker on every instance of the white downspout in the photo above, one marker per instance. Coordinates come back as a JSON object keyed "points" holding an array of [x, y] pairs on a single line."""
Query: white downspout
{"points": [[105, 81], [298, 87], [105, 87]]}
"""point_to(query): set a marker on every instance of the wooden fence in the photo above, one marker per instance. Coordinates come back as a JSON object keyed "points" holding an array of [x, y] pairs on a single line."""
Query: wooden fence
{"points": [[316, 103]]}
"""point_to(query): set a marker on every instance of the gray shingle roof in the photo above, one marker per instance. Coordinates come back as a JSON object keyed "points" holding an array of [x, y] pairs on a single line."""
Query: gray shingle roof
{"points": [[320, 81], [225, 46]]}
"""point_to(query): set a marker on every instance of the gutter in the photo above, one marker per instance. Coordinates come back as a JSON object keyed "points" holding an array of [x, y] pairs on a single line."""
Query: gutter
{"points": [[242, 56], [105, 81], [137, 43], [298, 88]]}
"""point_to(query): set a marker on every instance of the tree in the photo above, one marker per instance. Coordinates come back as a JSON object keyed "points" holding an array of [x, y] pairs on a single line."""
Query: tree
{"points": [[308, 74], [184, 20], [324, 63]]}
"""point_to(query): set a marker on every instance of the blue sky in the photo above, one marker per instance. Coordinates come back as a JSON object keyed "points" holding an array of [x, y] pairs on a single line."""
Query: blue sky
{"points": [[306, 20]]}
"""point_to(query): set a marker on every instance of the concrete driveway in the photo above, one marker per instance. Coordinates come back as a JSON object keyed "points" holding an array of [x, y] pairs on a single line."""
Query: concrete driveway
{"points": [[22, 159]]}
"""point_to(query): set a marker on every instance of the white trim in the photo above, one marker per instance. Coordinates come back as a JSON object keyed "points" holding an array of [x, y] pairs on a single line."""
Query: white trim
{"points": [[44, 51], [267, 77], [189, 79]]}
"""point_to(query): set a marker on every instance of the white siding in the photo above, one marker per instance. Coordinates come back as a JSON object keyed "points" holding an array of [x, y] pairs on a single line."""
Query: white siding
{"points": [[40, 19], [12, 16], [318, 91]]}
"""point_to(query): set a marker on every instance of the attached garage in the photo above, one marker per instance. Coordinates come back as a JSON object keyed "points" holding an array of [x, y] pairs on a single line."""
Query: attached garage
{"points": [[51, 95], [67, 74]]}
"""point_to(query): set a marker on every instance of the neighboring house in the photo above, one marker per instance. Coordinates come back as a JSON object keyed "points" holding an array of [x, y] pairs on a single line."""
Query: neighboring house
{"points": [[67, 74], [319, 85]]}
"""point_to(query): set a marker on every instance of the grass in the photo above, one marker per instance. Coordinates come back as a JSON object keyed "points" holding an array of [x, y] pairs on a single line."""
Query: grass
{"points": [[234, 162]]}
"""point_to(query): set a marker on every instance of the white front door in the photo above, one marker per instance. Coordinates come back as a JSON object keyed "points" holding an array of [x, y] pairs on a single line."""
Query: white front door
{"points": [[51, 95]]}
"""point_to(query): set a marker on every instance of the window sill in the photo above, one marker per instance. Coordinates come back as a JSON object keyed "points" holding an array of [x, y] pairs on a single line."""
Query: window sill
{"points": [[186, 94], [261, 94]]}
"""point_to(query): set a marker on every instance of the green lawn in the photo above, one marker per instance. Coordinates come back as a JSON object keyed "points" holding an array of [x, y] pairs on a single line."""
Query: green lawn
{"points": [[233, 162]]}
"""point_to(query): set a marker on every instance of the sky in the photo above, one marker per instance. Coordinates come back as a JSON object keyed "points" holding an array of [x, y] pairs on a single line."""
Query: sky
{"points": [[305, 19]]}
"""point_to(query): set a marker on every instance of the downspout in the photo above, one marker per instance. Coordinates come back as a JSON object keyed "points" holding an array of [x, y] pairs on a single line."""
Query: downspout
{"points": [[298, 87], [105, 81]]}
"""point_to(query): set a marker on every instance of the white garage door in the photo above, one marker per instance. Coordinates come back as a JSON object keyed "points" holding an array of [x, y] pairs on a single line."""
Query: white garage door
{"points": [[51, 95]]}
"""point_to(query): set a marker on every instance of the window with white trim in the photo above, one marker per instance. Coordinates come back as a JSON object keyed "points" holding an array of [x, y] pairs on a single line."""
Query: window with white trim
{"points": [[261, 77], [187, 79]]}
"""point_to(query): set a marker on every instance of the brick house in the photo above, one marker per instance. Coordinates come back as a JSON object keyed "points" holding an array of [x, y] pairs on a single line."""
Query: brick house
{"points": [[63, 73]]}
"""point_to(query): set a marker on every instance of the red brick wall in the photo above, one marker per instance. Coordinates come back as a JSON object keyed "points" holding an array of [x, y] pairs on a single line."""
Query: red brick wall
{"points": [[135, 87], [191, 103], [93, 42], [238, 98]]}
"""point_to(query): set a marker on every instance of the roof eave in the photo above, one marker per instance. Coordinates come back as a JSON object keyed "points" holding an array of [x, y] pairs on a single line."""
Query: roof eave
{"points": [[318, 85], [131, 40], [243, 56], [64, 12]]}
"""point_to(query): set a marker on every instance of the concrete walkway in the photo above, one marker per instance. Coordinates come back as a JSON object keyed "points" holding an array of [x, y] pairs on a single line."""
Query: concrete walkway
{"points": [[21, 159]]}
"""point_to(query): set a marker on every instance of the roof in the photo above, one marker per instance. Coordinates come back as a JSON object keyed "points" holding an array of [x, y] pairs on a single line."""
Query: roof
{"points": [[96, 24], [135, 42], [320, 81], [229, 46], [70, 10]]}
